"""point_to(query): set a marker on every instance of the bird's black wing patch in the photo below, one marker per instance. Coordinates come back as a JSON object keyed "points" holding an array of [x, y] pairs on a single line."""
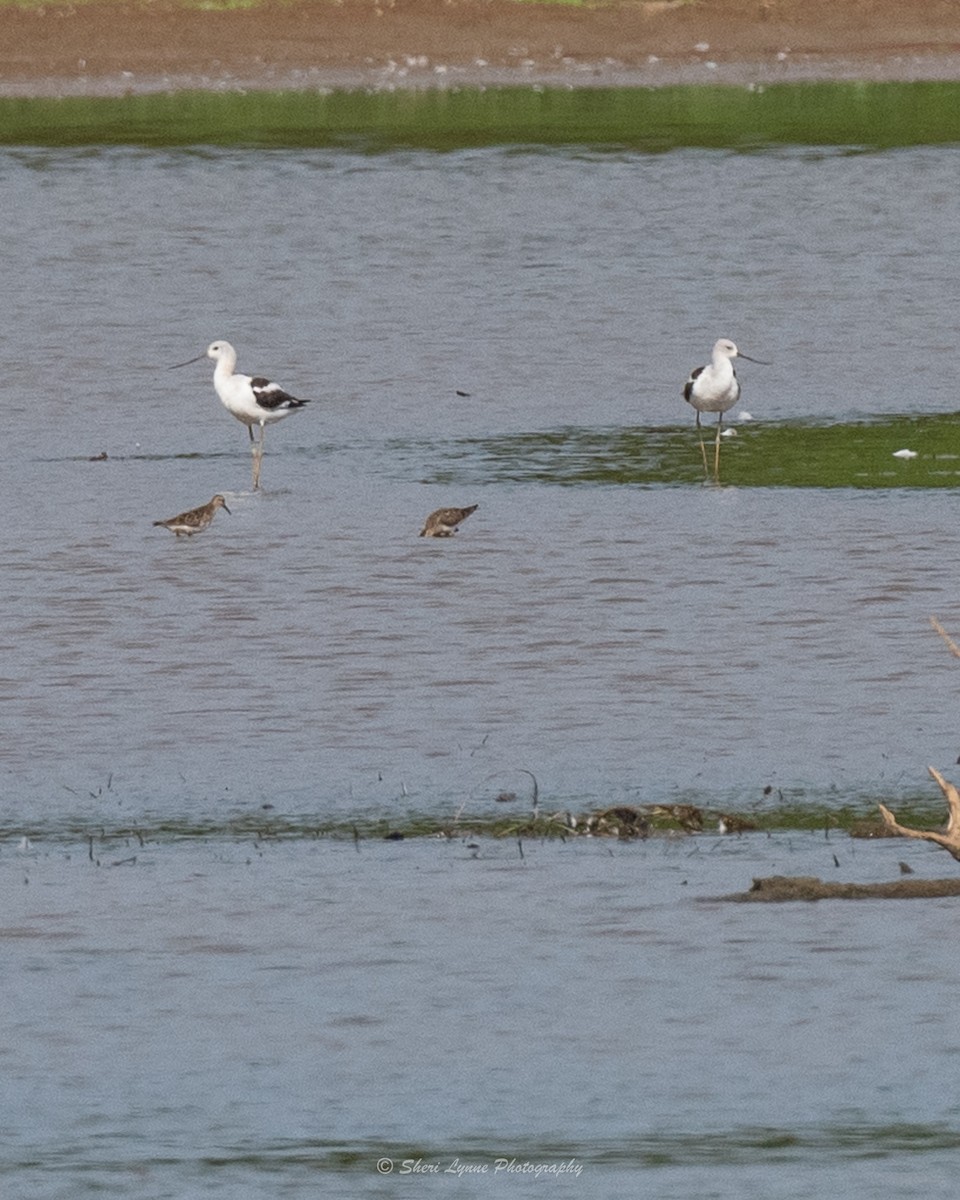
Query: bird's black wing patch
{"points": [[272, 396], [688, 386]]}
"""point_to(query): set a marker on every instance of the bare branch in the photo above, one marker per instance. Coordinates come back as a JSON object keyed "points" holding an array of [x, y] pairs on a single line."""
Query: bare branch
{"points": [[951, 644], [948, 838]]}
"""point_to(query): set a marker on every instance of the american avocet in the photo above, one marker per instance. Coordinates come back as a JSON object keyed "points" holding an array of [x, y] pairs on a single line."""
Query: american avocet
{"points": [[195, 520], [254, 401], [715, 388], [445, 521]]}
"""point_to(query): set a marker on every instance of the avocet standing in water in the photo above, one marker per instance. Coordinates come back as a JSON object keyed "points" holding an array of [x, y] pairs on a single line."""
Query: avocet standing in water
{"points": [[252, 400], [714, 389]]}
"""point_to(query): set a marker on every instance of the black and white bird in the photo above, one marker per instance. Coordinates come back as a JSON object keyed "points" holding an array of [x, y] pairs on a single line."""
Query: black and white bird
{"points": [[252, 400], [714, 388]]}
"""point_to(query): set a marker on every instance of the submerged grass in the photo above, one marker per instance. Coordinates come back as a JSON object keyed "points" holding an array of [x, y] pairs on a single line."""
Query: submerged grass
{"points": [[796, 454], [860, 821], [854, 115]]}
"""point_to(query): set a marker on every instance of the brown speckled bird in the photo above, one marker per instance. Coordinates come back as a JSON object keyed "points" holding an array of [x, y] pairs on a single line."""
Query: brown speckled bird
{"points": [[445, 521], [195, 520]]}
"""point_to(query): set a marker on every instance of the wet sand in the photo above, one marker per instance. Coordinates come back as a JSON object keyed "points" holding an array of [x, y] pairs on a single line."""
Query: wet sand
{"points": [[110, 49]]}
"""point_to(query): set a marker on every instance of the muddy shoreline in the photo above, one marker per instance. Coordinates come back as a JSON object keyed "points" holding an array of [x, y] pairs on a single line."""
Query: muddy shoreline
{"points": [[124, 48]]}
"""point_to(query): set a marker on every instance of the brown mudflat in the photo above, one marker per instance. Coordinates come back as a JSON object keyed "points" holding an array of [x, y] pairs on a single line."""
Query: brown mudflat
{"points": [[80, 48]]}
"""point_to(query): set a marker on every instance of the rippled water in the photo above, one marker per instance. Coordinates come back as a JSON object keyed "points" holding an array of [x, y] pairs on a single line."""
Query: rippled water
{"points": [[225, 1019], [312, 649], [218, 1016]]}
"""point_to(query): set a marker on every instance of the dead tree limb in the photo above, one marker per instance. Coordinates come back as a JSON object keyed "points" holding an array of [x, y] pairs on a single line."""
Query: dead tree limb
{"points": [[951, 644], [948, 838]]}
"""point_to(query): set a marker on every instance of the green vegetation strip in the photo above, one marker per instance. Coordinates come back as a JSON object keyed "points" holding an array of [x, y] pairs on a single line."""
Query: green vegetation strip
{"points": [[795, 454], [856, 115], [860, 821]]}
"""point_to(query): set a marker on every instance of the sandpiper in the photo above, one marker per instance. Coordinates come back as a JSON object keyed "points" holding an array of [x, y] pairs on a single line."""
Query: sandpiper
{"points": [[444, 522], [195, 520]]}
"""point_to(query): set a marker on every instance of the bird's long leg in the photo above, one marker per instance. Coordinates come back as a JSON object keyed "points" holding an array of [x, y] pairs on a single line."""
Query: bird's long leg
{"points": [[256, 452], [257, 457], [703, 449], [716, 457]]}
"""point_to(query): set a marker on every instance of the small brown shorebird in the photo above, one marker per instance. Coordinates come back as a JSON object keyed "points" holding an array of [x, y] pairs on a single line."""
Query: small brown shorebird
{"points": [[687, 816], [196, 519], [445, 521]]}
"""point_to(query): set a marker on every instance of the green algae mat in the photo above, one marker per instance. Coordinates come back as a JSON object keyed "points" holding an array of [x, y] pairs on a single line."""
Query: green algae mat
{"points": [[889, 452]]}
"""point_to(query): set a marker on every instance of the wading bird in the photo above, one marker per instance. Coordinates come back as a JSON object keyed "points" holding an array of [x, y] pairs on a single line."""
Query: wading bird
{"points": [[445, 521], [252, 400], [195, 520], [715, 388]]}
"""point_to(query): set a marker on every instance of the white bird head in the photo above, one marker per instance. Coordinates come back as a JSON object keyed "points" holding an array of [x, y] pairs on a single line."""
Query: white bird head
{"points": [[220, 350], [724, 348]]}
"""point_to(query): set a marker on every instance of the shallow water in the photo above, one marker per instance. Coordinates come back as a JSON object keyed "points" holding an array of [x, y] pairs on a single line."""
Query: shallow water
{"points": [[225, 1019], [217, 1015], [310, 650]]}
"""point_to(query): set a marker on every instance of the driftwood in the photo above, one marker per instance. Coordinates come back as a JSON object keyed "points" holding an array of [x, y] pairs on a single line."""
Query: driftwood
{"points": [[948, 838], [951, 644], [780, 888]]}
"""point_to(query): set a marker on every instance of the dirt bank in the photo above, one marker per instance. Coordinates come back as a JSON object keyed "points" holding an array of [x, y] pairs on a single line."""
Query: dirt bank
{"points": [[108, 48]]}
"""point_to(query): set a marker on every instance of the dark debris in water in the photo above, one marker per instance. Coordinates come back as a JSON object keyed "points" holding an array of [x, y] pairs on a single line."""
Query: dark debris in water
{"points": [[777, 889]]}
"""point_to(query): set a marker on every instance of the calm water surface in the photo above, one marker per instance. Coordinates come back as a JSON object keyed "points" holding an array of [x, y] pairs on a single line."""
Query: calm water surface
{"points": [[240, 1020], [249, 1018], [311, 650]]}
